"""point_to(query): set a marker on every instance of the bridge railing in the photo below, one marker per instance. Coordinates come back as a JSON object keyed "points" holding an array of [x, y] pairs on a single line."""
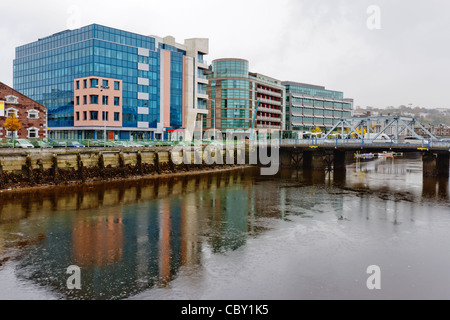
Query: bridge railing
{"points": [[398, 143]]}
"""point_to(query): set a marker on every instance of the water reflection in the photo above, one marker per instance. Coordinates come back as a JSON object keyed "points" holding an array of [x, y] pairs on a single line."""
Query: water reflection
{"points": [[125, 237], [131, 236]]}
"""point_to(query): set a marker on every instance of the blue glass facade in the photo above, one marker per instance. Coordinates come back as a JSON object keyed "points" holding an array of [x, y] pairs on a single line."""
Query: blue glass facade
{"points": [[176, 89], [45, 71]]}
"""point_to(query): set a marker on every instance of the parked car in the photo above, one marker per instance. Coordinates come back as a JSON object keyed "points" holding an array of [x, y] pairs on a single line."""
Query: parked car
{"points": [[127, 144], [74, 144], [22, 143], [6, 144], [40, 144], [56, 144]]}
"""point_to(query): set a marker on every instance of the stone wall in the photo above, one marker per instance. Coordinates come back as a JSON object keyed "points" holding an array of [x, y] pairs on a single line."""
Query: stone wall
{"points": [[52, 167]]}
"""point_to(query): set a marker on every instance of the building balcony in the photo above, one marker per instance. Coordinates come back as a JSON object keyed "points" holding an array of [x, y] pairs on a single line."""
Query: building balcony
{"points": [[203, 64], [202, 95], [272, 102], [269, 93], [268, 126], [268, 110], [264, 118], [202, 80]]}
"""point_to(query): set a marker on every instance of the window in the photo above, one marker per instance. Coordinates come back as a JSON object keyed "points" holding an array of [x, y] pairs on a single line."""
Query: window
{"points": [[94, 83], [94, 115], [78, 85], [94, 99], [105, 100], [10, 112], [105, 115], [33, 114], [105, 83], [33, 132], [84, 99], [78, 116], [116, 85], [84, 115], [116, 116], [78, 101], [116, 101], [84, 84]]}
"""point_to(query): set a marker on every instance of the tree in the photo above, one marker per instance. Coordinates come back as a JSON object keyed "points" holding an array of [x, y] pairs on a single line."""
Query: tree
{"points": [[316, 130], [12, 124]]}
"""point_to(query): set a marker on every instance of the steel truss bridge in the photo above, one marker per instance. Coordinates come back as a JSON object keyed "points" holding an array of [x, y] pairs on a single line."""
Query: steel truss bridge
{"points": [[349, 135]]}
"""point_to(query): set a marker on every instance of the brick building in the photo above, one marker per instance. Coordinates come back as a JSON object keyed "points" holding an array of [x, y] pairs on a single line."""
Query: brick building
{"points": [[32, 115]]}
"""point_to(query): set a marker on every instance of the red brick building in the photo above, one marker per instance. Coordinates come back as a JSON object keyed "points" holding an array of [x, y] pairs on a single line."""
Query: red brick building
{"points": [[32, 115]]}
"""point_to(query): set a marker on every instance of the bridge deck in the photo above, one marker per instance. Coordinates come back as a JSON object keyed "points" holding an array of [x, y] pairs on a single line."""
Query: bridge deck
{"points": [[358, 144]]}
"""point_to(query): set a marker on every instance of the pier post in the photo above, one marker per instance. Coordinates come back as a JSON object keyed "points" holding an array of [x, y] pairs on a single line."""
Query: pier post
{"points": [[28, 170], [101, 165], [156, 163], [122, 164], [139, 162], [80, 168], [54, 169], [2, 183]]}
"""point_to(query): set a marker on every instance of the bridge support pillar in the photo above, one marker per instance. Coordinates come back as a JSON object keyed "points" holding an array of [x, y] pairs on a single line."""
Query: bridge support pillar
{"points": [[339, 158], [285, 158], [435, 165], [318, 161], [307, 160], [443, 164]]}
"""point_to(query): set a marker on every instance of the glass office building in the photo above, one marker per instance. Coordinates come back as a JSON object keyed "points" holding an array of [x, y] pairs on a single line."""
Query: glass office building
{"points": [[158, 83], [234, 94], [310, 106]]}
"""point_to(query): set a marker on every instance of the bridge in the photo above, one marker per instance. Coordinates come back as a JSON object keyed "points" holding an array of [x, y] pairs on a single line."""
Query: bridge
{"points": [[364, 135]]}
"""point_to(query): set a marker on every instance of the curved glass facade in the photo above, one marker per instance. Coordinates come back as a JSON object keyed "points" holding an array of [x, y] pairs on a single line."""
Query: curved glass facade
{"points": [[235, 91], [230, 68]]}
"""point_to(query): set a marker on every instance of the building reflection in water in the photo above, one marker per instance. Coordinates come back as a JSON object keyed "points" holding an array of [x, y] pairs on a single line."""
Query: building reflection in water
{"points": [[130, 236]]}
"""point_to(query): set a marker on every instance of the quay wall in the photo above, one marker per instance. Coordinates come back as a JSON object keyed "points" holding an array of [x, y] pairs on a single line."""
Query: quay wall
{"points": [[34, 167]]}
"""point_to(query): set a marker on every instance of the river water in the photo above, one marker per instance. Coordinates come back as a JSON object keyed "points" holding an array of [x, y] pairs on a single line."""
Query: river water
{"points": [[233, 235]]}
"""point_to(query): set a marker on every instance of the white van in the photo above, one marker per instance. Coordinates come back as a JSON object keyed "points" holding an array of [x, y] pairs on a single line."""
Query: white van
{"points": [[22, 143], [377, 138]]}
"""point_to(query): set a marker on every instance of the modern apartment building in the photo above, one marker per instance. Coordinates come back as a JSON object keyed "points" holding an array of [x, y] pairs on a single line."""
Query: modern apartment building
{"points": [[310, 106], [96, 80], [234, 93]]}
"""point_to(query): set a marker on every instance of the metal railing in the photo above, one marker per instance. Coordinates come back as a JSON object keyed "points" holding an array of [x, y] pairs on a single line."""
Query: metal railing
{"points": [[418, 144]]}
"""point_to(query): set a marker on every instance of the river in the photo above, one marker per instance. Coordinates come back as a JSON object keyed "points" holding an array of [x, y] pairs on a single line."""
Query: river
{"points": [[233, 235]]}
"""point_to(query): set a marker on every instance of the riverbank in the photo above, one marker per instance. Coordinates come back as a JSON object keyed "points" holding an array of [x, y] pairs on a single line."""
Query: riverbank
{"points": [[24, 170], [25, 189]]}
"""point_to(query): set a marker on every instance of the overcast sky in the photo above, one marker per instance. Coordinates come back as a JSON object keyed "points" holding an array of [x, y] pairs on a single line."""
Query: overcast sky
{"points": [[379, 52]]}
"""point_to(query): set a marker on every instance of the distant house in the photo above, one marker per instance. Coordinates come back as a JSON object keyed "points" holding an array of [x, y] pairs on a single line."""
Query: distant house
{"points": [[443, 131], [32, 115]]}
